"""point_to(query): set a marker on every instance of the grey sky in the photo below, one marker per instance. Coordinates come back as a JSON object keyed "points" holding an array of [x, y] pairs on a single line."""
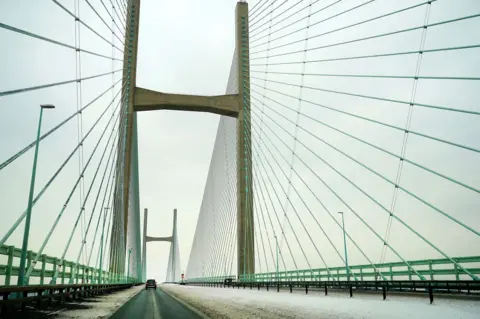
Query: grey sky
{"points": [[187, 47]]}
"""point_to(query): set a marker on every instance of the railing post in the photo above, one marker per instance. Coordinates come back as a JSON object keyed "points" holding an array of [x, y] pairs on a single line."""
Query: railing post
{"points": [[63, 271], [29, 263], [430, 267], [42, 272], [70, 280], [50, 292], [430, 293], [77, 275], [8, 272], [55, 262], [39, 300], [24, 295]]}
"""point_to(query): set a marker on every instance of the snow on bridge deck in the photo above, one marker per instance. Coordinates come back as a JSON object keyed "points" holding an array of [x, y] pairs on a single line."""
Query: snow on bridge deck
{"points": [[239, 303]]}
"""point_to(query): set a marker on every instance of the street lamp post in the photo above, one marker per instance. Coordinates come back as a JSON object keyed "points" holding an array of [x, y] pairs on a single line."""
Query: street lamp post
{"points": [[23, 256], [100, 276], [128, 268], [345, 246], [276, 244]]}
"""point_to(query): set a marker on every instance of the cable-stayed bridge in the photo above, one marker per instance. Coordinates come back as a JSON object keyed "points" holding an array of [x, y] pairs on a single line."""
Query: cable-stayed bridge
{"points": [[347, 146]]}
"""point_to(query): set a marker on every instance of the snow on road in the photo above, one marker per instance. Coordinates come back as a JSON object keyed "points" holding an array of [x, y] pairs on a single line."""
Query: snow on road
{"points": [[239, 303], [102, 306]]}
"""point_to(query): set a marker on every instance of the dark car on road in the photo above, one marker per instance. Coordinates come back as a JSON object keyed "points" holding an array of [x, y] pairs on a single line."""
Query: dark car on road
{"points": [[151, 283]]}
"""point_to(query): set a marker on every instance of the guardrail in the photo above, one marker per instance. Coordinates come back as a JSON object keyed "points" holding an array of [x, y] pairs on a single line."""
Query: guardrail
{"points": [[70, 271], [399, 286], [431, 269], [40, 296]]}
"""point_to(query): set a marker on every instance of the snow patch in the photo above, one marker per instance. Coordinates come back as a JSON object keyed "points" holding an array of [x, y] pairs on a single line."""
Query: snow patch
{"points": [[240, 303], [103, 306]]}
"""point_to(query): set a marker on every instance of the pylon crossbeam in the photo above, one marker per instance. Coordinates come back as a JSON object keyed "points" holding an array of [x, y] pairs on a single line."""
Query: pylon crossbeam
{"points": [[149, 100], [149, 238]]}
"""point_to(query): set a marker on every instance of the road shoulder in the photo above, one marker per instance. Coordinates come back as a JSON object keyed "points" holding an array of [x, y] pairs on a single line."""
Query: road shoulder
{"points": [[195, 307]]}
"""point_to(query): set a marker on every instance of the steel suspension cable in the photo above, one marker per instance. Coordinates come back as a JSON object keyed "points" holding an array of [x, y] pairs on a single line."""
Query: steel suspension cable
{"points": [[283, 209], [38, 87], [273, 206], [54, 277], [108, 226], [379, 55], [78, 74], [299, 106], [108, 189], [77, 18], [36, 36], [380, 35], [377, 76], [106, 24], [375, 201], [199, 231], [348, 206], [306, 184], [301, 198], [208, 194], [288, 219], [258, 5], [330, 214], [405, 135], [103, 212], [252, 17], [369, 97], [254, 34], [32, 144], [54, 176], [60, 214], [213, 258], [257, 222], [112, 16], [228, 216], [263, 17], [120, 18], [373, 145], [112, 149], [294, 23], [404, 189], [385, 124], [123, 8], [316, 23], [255, 188]]}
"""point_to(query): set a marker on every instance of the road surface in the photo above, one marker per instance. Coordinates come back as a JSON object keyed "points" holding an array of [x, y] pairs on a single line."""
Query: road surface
{"points": [[153, 304]]}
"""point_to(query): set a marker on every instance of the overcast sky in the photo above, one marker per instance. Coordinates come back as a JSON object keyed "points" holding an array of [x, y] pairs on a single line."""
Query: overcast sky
{"points": [[187, 47]]}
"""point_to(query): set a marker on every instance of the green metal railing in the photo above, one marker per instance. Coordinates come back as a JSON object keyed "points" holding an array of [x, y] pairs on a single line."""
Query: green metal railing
{"points": [[70, 272], [431, 269]]}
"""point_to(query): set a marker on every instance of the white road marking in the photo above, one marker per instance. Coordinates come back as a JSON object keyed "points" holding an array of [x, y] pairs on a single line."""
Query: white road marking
{"points": [[156, 310]]}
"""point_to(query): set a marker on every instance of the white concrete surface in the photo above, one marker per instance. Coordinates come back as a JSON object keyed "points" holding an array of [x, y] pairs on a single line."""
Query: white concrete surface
{"points": [[239, 303], [104, 306]]}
